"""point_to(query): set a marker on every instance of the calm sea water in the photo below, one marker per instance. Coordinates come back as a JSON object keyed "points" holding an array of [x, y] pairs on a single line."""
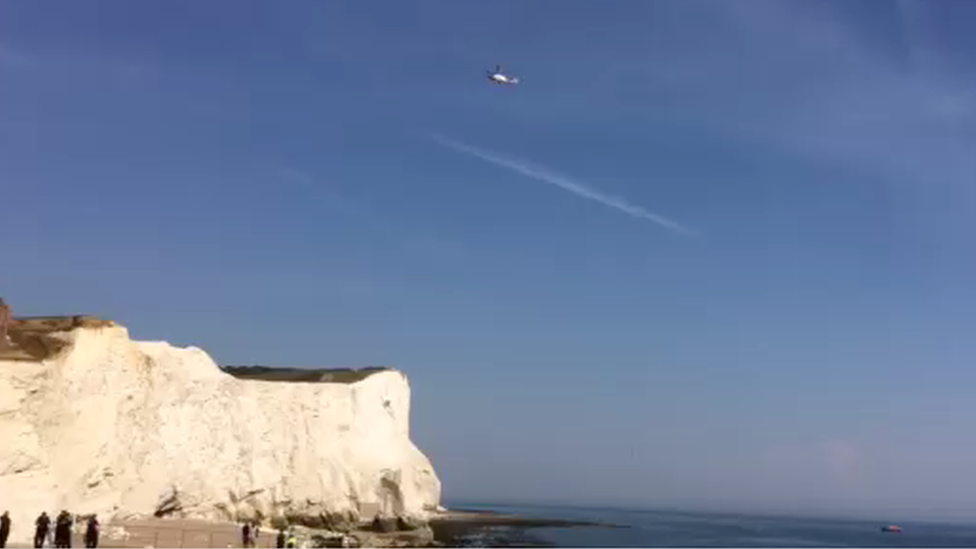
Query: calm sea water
{"points": [[673, 529]]}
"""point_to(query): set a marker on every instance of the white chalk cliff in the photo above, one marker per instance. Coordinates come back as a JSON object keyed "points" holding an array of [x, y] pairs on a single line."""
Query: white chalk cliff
{"points": [[130, 429]]}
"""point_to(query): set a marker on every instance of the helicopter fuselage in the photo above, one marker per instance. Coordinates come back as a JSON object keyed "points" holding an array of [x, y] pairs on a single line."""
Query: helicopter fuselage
{"points": [[499, 78]]}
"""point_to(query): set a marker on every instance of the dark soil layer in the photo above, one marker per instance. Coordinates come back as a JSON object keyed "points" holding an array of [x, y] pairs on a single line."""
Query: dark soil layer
{"points": [[31, 336], [307, 375]]}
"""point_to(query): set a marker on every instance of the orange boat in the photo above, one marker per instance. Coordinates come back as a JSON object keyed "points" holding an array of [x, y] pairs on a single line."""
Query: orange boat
{"points": [[891, 528]]}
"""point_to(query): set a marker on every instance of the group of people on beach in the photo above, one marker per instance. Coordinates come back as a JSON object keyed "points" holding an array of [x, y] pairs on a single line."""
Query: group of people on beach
{"points": [[62, 530], [249, 533], [251, 530], [64, 521]]}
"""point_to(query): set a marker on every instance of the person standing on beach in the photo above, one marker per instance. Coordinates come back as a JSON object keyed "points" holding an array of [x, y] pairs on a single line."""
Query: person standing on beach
{"points": [[91, 533], [281, 539], [69, 521], [43, 524], [61, 529], [246, 534], [4, 528]]}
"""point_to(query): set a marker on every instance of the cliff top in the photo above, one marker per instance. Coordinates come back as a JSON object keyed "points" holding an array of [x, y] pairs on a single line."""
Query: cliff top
{"points": [[327, 375], [47, 324], [31, 337]]}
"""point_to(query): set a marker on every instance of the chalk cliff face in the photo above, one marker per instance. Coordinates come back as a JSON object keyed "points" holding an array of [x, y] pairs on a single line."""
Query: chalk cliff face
{"points": [[130, 429]]}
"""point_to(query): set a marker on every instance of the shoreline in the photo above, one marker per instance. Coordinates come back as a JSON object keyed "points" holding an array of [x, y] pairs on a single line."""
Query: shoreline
{"points": [[480, 528]]}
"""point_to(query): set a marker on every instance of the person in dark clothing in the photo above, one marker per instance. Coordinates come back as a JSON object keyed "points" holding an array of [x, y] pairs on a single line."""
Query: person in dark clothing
{"points": [[43, 524], [281, 539], [59, 530], [68, 523], [4, 528], [246, 534], [91, 533], [62, 530]]}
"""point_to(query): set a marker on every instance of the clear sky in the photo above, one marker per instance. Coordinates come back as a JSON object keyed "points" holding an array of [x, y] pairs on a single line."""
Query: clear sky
{"points": [[711, 254]]}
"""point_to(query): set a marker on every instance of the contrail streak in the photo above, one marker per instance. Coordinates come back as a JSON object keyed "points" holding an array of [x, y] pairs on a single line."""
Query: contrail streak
{"points": [[564, 183]]}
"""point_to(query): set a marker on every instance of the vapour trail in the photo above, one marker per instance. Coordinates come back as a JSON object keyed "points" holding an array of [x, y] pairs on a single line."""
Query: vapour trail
{"points": [[565, 183]]}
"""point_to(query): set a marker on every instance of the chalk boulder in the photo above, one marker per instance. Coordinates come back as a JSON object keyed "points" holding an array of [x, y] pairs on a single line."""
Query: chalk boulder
{"points": [[93, 422]]}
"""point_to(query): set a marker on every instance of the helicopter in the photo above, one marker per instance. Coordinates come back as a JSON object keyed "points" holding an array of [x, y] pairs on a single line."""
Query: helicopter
{"points": [[498, 77]]}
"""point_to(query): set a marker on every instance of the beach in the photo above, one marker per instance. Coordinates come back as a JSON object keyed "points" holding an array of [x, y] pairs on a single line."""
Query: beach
{"points": [[454, 528], [461, 528]]}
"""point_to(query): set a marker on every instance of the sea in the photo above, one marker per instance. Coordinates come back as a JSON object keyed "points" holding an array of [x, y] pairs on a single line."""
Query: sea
{"points": [[642, 528]]}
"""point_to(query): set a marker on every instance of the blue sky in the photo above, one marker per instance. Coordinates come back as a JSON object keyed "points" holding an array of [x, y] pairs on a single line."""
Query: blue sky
{"points": [[336, 183]]}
